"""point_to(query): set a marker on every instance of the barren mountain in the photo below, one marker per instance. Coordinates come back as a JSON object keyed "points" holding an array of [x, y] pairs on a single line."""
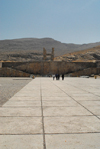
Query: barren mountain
{"points": [[84, 55], [29, 49]]}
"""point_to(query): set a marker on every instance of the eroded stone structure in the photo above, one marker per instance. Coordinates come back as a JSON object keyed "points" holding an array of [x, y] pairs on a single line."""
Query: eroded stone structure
{"points": [[45, 54], [0, 64], [48, 67], [9, 72], [52, 67], [52, 54]]}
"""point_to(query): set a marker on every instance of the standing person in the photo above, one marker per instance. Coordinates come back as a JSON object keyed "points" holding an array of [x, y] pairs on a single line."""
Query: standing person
{"points": [[53, 77], [58, 76], [62, 76]]}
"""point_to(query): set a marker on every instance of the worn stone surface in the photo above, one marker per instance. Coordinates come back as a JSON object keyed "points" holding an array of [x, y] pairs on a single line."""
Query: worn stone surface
{"points": [[22, 103], [52, 114], [61, 103], [10, 72], [85, 98], [71, 124], [73, 141], [56, 98], [65, 111], [24, 98], [90, 103], [20, 125], [19, 111], [21, 141], [51, 67]]}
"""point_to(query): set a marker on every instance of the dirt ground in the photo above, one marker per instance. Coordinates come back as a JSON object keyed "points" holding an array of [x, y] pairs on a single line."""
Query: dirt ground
{"points": [[10, 86]]}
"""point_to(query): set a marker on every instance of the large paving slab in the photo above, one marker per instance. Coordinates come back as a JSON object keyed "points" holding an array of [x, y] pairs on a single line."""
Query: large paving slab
{"points": [[73, 141], [56, 98], [61, 103], [53, 94], [20, 125], [82, 95], [21, 142], [74, 124], [86, 98], [27, 94], [23, 103], [95, 110], [13, 111], [90, 103], [47, 114], [24, 98], [65, 111]]}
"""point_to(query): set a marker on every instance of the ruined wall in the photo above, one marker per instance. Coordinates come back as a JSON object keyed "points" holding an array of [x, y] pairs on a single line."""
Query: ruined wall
{"points": [[98, 64], [0, 64], [49, 67], [12, 64], [8, 72], [86, 72]]}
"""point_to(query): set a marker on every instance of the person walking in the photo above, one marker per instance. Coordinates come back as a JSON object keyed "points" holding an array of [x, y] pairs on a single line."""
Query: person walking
{"points": [[53, 77], [62, 76], [58, 76]]}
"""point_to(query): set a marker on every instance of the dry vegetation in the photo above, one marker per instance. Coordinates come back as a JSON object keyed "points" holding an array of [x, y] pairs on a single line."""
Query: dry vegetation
{"points": [[79, 56]]}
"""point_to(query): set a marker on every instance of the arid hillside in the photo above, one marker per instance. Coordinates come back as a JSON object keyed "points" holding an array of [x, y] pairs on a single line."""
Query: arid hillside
{"points": [[84, 55], [30, 49]]}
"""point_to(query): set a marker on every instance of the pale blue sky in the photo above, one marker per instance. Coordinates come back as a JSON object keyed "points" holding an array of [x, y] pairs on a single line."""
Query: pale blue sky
{"points": [[68, 21]]}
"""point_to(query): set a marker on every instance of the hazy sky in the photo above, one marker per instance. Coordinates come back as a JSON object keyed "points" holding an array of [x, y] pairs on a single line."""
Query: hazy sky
{"points": [[68, 21]]}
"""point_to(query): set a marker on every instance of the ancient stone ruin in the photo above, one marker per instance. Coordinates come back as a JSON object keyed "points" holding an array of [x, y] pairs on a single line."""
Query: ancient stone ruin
{"points": [[45, 54], [48, 66]]}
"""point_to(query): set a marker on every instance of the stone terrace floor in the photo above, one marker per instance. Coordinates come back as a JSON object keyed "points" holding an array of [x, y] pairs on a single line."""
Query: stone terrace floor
{"points": [[47, 114]]}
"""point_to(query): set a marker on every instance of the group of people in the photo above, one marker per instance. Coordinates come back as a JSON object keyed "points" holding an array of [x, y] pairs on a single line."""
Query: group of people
{"points": [[57, 76]]}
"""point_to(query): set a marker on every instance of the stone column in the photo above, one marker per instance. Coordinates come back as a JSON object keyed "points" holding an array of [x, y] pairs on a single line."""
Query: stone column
{"points": [[44, 54], [52, 54]]}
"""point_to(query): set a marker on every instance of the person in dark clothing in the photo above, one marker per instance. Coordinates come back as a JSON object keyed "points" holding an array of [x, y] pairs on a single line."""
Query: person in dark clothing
{"points": [[62, 76], [58, 76]]}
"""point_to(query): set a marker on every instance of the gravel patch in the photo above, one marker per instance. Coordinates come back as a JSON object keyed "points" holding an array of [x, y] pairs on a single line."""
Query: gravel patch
{"points": [[10, 86]]}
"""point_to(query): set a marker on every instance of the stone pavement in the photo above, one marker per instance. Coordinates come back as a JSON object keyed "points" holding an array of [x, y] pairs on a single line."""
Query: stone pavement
{"points": [[47, 114]]}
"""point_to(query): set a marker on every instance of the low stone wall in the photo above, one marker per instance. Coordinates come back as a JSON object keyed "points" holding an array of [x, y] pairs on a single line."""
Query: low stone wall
{"points": [[8, 72], [86, 72], [0, 64], [98, 64], [49, 67]]}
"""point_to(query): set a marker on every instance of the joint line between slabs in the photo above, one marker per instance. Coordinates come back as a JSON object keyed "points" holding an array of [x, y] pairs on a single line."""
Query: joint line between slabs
{"points": [[44, 143], [72, 133], [51, 133], [77, 101], [85, 90]]}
